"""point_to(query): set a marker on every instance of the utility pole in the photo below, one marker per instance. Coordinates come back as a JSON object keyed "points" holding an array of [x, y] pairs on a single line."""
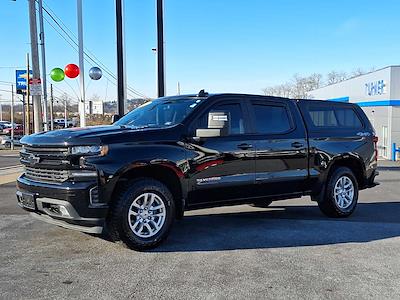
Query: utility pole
{"points": [[81, 106], [23, 114], [51, 108], [28, 117], [37, 115], [178, 88], [12, 117], [160, 49], [65, 114], [44, 79], [121, 69]]}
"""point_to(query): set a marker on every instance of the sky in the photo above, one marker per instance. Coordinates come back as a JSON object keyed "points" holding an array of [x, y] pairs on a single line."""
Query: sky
{"points": [[216, 45]]}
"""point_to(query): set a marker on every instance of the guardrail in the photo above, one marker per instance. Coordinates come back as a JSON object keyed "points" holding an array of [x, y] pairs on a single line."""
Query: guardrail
{"points": [[395, 150]]}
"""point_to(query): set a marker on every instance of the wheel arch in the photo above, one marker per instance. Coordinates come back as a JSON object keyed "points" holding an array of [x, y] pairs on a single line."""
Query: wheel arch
{"points": [[166, 173], [354, 163]]}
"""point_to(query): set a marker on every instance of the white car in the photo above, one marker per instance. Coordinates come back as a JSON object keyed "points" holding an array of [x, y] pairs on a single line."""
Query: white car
{"points": [[5, 141]]}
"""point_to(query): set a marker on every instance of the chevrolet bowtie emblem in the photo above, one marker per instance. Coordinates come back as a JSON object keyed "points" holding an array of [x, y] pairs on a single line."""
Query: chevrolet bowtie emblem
{"points": [[32, 159]]}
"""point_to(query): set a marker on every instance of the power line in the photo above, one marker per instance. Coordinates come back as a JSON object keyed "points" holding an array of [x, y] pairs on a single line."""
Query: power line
{"points": [[95, 60], [113, 76]]}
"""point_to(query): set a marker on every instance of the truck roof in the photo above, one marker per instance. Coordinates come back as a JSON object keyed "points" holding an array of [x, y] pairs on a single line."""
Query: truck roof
{"points": [[204, 96]]}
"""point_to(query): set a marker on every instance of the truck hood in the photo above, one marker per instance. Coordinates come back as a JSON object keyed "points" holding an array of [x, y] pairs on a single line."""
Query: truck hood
{"points": [[76, 136]]}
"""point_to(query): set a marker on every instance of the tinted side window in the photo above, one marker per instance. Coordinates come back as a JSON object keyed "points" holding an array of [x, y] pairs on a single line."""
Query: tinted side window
{"points": [[235, 113], [347, 117], [325, 116], [271, 119]]}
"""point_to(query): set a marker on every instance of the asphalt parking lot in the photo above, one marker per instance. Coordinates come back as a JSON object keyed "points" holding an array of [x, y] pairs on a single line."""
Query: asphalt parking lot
{"points": [[289, 250]]}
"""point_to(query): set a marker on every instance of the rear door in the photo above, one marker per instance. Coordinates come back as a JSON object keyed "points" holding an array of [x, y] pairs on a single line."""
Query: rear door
{"points": [[281, 147]]}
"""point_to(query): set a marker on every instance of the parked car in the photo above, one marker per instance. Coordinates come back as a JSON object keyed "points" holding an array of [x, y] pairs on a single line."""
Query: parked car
{"points": [[133, 178], [5, 124], [6, 141], [18, 130], [60, 123]]}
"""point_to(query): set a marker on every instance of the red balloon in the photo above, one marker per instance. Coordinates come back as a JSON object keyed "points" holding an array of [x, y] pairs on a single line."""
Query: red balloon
{"points": [[71, 71]]}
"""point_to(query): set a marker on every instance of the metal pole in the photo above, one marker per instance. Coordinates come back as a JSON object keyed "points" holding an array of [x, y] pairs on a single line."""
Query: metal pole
{"points": [[65, 114], [119, 9], [81, 107], [36, 100], [44, 80], [160, 49], [28, 117], [178, 87], [1, 112], [12, 117], [51, 108], [23, 114]]}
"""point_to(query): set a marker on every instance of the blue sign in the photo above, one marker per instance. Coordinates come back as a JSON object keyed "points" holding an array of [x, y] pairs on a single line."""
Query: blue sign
{"points": [[375, 88], [21, 79]]}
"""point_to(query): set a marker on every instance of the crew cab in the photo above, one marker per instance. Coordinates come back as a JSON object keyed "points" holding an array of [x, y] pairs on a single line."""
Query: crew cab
{"points": [[132, 179]]}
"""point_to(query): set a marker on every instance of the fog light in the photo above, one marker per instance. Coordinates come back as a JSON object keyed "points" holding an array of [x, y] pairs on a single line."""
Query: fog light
{"points": [[58, 210], [64, 211], [94, 195]]}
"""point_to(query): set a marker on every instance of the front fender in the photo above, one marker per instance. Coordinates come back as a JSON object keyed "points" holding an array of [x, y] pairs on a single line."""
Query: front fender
{"points": [[122, 159]]}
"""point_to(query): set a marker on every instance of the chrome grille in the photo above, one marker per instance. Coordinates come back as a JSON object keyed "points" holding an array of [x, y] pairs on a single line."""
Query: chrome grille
{"points": [[51, 152], [46, 175], [45, 157]]}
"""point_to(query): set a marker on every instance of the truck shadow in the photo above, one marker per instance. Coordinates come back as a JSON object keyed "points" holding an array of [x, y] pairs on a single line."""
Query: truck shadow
{"points": [[290, 226]]}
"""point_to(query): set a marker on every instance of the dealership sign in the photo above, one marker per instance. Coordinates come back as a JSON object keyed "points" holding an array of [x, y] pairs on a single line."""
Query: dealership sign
{"points": [[21, 79], [375, 88]]}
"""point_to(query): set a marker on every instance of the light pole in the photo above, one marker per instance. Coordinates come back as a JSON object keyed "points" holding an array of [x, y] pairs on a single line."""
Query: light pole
{"points": [[81, 106], [121, 69], [160, 49], [44, 79], [36, 99]]}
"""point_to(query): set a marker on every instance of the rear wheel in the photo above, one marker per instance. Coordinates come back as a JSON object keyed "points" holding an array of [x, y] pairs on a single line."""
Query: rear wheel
{"points": [[143, 214], [341, 194]]}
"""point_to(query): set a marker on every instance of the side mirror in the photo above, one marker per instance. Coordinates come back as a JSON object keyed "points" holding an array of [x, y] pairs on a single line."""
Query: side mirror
{"points": [[218, 125], [115, 118], [209, 132]]}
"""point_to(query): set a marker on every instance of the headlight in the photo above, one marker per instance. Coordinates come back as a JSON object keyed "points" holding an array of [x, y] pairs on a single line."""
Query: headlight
{"points": [[90, 150]]}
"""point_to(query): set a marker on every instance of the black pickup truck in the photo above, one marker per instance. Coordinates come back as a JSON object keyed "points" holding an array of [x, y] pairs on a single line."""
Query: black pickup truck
{"points": [[132, 179]]}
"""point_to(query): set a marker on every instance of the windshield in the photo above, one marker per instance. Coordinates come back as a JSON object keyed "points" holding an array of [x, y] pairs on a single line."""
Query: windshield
{"points": [[159, 113]]}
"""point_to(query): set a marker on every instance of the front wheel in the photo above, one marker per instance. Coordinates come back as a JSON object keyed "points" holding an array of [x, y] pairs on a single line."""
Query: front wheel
{"points": [[143, 214], [341, 194]]}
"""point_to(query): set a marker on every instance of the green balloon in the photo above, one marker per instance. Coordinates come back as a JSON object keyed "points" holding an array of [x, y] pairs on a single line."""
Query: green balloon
{"points": [[57, 74]]}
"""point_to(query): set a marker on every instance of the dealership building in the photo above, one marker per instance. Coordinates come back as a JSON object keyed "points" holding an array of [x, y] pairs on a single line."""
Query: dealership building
{"points": [[378, 94]]}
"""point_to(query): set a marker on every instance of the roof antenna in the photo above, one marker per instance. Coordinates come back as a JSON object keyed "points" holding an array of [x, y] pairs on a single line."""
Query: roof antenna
{"points": [[202, 93]]}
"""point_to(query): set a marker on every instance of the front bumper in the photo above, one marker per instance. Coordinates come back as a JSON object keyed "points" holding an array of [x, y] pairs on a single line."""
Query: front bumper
{"points": [[61, 223], [67, 205]]}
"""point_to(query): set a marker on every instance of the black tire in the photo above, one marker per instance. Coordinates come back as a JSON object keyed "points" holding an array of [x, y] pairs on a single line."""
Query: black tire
{"points": [[117, 224], [262, 204], [328, 204]]}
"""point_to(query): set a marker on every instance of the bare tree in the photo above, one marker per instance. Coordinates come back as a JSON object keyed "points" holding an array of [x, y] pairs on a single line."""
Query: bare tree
{"points": [[357, 72], [335, 77], [297, 88]]}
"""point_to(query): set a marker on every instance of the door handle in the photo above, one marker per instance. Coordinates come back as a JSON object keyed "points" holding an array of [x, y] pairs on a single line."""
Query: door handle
{"points": [[244, 146], [297, 145]]}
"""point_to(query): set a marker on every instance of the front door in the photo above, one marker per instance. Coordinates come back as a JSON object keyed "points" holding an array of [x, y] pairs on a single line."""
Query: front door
{"points": [[281, 148], [222, 168]]}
